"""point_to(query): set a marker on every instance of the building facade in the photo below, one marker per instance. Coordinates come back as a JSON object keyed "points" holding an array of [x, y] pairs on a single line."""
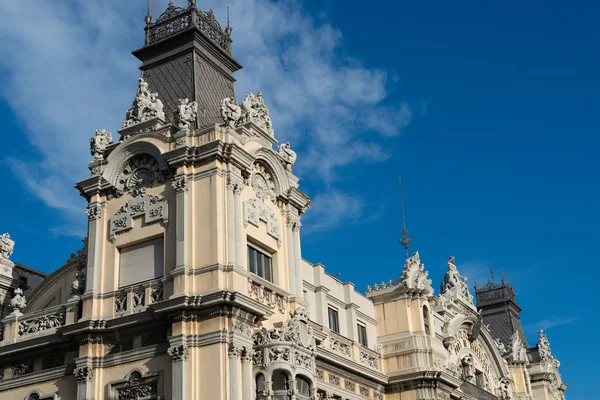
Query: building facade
{"points": [[191, 283]]}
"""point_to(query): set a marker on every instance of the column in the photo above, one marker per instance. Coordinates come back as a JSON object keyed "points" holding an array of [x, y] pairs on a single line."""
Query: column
{"points": [[178, 381], [84, 376], [182, 224], [239, 218], [291, 258], [94, 212], [234, 386], [231, 249], [247, 380], [298, 258]]}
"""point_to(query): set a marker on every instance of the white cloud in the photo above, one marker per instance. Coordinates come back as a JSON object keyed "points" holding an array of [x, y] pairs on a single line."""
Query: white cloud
{"points": [[67, 70], [549, 323]]}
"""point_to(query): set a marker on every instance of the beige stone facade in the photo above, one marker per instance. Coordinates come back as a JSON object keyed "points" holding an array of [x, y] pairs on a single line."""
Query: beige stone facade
{"points": [[191, 283]]}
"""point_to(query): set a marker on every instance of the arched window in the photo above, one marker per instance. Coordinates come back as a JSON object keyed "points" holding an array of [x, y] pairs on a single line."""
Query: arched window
{"points": [[281, 384], [426, 320], [260, 385], [302, 388]]}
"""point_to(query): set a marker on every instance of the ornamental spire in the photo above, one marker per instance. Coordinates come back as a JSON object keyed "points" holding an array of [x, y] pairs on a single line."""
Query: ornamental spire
{"points": [[405, 239]]}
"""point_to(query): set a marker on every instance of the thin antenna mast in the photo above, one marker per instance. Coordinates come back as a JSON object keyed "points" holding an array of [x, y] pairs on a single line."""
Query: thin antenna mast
{"points": [[490, 260], [228, 29], [405, 240]]}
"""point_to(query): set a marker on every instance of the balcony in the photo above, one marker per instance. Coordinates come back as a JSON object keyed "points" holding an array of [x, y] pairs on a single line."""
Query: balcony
{"points": [[476, 392]]}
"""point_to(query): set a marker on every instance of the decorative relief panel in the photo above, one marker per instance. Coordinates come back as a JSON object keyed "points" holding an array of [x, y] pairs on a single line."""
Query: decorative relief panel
{"points": [[340, 347], [364, 391], [369, 359], [137, 386], [152, 208], [256, 209], [42, 323], [334, 379]]}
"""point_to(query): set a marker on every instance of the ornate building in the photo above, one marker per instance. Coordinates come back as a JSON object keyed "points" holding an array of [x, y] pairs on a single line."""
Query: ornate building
{"points": [[191, 283]]}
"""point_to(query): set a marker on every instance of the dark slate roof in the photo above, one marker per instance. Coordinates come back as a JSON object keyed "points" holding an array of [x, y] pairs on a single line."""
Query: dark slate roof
{"points": [[497, 303]]}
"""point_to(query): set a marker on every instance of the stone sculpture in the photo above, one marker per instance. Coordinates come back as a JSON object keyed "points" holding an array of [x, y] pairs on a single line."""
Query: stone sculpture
{"points": [[414, 275], [500, 346], [146, 106], [230, 111], [253, 109], [99, 143], [287, 154], [18, 302], [455, 285], [187, 113], [6, 246], [78, 284]]}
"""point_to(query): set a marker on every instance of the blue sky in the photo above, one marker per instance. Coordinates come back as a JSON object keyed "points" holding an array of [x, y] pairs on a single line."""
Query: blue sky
{"points": [[487, 109]]}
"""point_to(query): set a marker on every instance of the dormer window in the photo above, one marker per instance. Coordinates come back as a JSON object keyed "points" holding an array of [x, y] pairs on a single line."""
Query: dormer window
{"points": [[260, 263]]}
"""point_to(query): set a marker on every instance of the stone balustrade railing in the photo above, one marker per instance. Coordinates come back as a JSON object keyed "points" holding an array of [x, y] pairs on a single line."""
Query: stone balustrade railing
{"points": [[340, 344], [134, 297], [51, 318], [268, 294], [369, 357]]}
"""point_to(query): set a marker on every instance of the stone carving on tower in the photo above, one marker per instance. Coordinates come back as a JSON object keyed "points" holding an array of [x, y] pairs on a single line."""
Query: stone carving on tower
{"points": [[186, 113], [414, 277], [288, 155], [99, 143], [454, 286], [253, 109], [7, 245], [545, 352], [145, 106], [517, 352], [256, 209]]}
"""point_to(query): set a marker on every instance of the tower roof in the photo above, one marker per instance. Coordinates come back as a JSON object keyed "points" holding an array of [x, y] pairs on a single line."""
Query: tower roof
{"points": [[187, 55], [498, 305]]}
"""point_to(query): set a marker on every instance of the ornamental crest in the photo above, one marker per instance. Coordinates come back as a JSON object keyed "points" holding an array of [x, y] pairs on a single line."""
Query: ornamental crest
{"points": [[152, 208], [414, 277], [7, 246], [297, 331], [257, 209], [146, 106]]}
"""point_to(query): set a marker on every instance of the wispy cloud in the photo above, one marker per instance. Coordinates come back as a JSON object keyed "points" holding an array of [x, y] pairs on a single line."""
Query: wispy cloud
{"points": [[67, 70], [549, 323]]}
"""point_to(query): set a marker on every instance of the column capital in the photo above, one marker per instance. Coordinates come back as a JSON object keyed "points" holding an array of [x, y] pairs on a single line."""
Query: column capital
{"points": [[94, 210], [235, 350], [247, 354], [178, 352], [180, 184], [83, 374]]}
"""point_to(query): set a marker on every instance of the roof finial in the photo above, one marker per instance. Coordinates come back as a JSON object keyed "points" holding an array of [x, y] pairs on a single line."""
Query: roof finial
{"points": [[229, 28], [490, 260], [148, 16], [405, 240]]}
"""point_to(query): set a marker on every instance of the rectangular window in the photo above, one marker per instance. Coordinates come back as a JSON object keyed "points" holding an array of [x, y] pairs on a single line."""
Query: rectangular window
{"points": [[141, 262], [334, 321], [362, 334], [479, 379], [260, 263]]}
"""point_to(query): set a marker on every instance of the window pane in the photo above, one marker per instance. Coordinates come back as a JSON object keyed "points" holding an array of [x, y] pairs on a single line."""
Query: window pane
{"points": [[333, 320], [260, 264], [362, 334]]}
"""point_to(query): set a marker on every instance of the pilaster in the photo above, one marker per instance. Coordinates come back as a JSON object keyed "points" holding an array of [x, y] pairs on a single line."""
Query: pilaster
{"points": [[247, 380], [235, 351], [179, 352], [239, 218], [95, 212]]}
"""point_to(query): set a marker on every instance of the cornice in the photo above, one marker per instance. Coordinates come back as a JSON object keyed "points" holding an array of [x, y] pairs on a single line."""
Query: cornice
{"points": [[36, 377], [92, 186]]}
